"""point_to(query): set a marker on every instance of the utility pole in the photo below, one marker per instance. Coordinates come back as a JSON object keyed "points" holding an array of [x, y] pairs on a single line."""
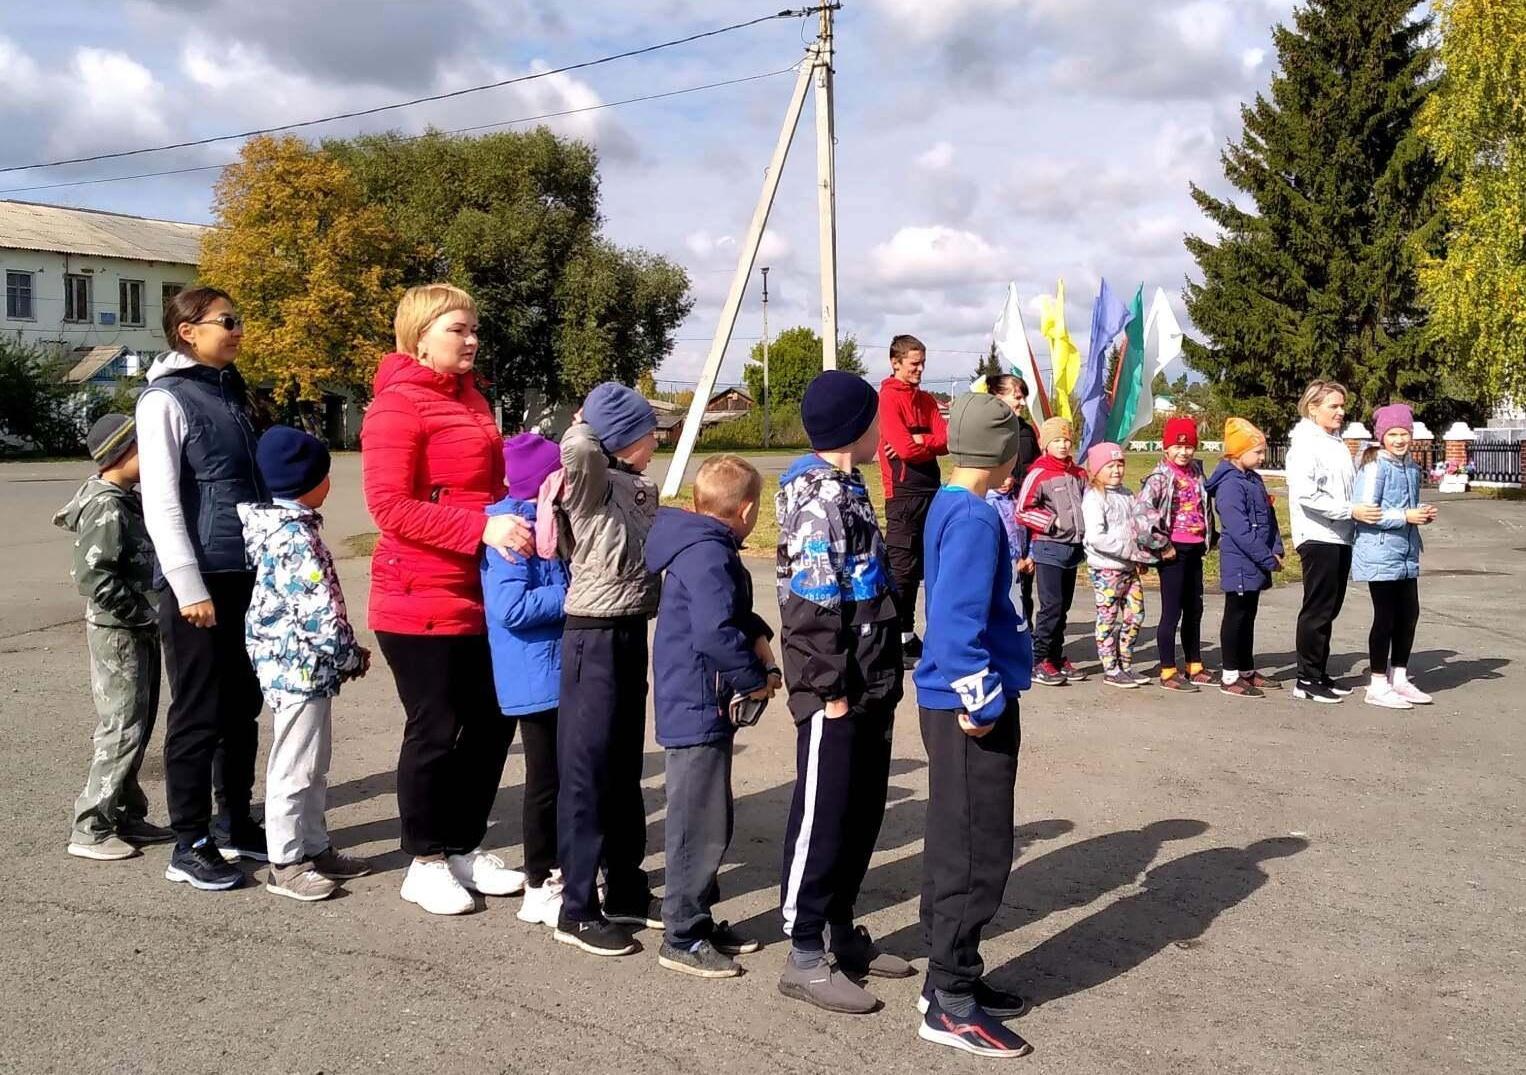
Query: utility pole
{"points": [[767, 400], [815, 69]]}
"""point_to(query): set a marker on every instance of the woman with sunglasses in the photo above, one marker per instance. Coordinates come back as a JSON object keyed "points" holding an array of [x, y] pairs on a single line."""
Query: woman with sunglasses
{"points": [[197, 448]]}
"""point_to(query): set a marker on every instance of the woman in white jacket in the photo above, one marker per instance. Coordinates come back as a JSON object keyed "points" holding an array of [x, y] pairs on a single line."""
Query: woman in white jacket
{"points": [[1320, 476]]}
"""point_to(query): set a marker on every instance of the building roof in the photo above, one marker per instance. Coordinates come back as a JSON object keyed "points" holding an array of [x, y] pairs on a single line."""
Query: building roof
{"points": [[722, 393], [29, 226], [91, 360]]}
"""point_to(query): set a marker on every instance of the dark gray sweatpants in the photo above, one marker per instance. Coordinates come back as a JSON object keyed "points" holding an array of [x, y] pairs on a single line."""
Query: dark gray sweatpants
{"points": [[698, 832]]}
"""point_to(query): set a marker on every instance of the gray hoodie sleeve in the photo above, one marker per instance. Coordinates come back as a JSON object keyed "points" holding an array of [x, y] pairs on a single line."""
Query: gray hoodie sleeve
{"points": [[161, 433]]}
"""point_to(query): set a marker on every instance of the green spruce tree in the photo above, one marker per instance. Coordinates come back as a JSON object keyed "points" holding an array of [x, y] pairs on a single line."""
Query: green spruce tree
{"points": [[1314, 272]]}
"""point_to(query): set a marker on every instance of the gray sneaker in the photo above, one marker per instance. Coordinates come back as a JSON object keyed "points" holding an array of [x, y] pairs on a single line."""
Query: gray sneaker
{"points": [[1119, 678], [702, 960], [826, 987], [333, 865], [108, 850], [300, 881], [857, 954]]}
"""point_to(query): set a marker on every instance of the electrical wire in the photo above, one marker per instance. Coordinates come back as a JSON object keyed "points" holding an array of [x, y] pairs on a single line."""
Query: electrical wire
{"points": [[416, 137], [584, 65]]}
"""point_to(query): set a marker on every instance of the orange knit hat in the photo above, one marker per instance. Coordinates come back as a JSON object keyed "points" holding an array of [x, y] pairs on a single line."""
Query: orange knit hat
{"points": [[1241, 437]]}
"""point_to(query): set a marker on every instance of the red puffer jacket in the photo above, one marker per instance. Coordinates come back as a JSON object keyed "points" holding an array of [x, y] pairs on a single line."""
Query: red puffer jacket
{"points": [[432, 459]]}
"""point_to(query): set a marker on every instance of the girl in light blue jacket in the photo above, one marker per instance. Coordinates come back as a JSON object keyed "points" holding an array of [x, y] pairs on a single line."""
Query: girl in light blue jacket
{"points": [[1386, 556]]}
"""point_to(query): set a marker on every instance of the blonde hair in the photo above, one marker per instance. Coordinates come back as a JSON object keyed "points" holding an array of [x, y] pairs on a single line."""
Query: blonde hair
{"points": [[1316, 393], [419, 307], [723, 483]]}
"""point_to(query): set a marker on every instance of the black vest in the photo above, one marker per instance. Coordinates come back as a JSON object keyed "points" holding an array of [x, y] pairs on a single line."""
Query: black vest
{"points": [[217, 463]]}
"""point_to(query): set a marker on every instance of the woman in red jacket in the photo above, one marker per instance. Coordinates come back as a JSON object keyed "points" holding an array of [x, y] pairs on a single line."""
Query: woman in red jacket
{"points": [[433, 461]]}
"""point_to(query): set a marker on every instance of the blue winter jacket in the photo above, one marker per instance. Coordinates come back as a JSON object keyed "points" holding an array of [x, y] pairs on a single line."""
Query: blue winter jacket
{"points": [[702, 652], [524, 599], [978, 652], [1389, 549], [1248, 538]]}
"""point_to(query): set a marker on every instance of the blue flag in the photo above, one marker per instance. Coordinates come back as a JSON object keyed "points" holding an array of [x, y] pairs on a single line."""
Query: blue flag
{"points": [[1109, 317]]}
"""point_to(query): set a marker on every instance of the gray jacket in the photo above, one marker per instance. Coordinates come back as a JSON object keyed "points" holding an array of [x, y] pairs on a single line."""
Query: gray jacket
{"points": [[609, 509]]}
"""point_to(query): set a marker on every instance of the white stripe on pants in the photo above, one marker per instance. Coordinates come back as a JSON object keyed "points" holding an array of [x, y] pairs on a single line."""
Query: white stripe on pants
{"points": [[807, 822], [296, 781]]}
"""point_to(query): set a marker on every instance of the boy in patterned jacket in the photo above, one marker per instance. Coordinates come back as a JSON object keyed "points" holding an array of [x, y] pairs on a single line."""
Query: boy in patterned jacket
{"points": [[113, 569], [841, 644], [302, 648]]}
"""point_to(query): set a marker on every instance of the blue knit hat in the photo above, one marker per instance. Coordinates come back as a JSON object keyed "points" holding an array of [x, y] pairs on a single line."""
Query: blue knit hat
{"points": [[838, 408], [619, 416], [293, 462]]}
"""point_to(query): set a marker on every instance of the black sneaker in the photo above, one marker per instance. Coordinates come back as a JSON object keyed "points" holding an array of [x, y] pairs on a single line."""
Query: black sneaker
{"points": [[243, 840], [701, 960], [649, 915], [1305, 691], [731, 942], [1335, 688], [979, 1032], [140, 831], [1000, 1003], [911, 653], [200, 866], [600, 937]]}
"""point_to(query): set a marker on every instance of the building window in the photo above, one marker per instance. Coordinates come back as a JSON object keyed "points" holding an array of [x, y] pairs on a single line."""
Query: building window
{"points": [[76, 298], [168, 292], [130, 309], [18, 296]]}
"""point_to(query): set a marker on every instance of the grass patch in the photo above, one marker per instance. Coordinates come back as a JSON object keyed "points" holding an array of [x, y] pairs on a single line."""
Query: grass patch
{"points": [[359, 545]]}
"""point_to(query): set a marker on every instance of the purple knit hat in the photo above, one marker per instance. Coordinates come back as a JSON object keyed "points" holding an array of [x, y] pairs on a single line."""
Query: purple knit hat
{"points": [[1393, 416], [528, 460]]}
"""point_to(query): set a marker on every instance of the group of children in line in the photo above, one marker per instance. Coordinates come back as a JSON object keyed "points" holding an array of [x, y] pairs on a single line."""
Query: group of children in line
{"points": [[568, 636]]}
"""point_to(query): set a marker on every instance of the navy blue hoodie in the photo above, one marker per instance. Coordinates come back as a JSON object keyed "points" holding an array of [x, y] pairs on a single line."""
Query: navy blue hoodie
{"points": [[702, 652], [1249, 537]]}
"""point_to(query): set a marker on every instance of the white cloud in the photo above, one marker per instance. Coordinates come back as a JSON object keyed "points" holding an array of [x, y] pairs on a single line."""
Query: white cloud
{"points": [[938, 158], [934, 256]]}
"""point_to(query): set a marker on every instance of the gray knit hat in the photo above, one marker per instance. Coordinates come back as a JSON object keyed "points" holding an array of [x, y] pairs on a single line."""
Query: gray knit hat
{"points": [[982, 431], [110, 438]]}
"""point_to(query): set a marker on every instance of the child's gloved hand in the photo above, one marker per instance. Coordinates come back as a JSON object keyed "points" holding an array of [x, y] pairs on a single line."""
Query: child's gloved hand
{"points": [[970, 728], [365, 662]]}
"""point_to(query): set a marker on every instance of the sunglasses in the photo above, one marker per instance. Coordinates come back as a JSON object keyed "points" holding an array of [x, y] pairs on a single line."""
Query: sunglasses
{"points": [[229, 322]]}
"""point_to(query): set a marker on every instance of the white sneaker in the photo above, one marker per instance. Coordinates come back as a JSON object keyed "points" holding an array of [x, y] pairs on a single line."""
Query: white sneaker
{"points": [[543, 904], [478, 871], [1411, 693], [434, 887], [1384, 695]]}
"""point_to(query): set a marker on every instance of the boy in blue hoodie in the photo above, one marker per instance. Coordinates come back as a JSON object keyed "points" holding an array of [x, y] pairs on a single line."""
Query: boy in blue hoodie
{"points": [[977, 658], [525, 599], [710, 652]]}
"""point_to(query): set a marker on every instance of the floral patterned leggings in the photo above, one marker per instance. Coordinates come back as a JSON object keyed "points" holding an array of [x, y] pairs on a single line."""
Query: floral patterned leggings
{"points": [[1120, 615]]}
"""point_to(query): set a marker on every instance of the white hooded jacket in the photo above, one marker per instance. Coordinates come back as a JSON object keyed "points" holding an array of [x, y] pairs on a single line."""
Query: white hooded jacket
{"points": [[1320, 476]]}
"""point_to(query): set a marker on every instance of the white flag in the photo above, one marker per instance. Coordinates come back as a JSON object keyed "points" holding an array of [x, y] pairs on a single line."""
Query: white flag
{"points": [[1163, 345], [1012, 347]]}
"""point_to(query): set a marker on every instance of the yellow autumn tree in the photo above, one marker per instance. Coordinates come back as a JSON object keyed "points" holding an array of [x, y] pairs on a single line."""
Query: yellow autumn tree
{"points": [[314, 270]]}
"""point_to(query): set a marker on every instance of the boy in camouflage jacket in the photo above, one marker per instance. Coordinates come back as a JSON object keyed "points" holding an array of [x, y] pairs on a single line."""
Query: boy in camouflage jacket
{"points": [[113, 569]]}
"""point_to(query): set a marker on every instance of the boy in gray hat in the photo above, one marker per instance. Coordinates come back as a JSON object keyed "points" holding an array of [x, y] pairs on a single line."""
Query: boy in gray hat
{"points": [[113, 569]]}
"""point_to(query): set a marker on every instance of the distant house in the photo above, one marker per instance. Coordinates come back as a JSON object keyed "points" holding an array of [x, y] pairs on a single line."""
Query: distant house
{"points": [[729, 401], [79, 279]]}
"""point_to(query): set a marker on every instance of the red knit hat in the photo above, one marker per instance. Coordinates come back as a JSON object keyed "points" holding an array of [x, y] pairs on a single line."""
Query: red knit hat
{"points": [[1180, 430]]}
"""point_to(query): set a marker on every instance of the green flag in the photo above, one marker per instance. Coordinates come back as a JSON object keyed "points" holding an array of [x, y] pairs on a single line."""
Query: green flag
{"points": [[1131, 373]]}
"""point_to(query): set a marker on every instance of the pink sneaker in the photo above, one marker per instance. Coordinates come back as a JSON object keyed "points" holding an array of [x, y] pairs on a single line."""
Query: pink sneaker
{"points": [[1411, 693]]}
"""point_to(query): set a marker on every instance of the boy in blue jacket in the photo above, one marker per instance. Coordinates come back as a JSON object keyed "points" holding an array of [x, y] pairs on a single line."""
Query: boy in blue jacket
{"points": [[710, 651], [977, 657], [524, 599]]}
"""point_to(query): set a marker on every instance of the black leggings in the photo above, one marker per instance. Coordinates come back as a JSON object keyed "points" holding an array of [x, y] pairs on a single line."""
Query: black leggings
{"points": [[1395, 611], [1181, 602], [1237, 634], [537, 731]]}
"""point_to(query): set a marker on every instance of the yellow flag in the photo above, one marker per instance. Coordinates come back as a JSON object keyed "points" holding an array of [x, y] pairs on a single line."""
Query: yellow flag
{"points": [[1064, 357]]}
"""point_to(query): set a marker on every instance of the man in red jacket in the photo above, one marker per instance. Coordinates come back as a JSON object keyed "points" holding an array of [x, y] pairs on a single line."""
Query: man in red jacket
{"points": [[912, 437]]}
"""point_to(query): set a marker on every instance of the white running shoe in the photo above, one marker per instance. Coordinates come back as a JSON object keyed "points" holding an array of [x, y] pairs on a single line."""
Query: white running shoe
{"points": [[434, 887], [543, 904], [1384, 695], [1411, 693], [481, 872]]}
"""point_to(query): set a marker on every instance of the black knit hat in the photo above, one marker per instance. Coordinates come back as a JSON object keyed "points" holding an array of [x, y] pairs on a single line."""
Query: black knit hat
{"points": [[837, 409], [110, 438], [291, 461]]}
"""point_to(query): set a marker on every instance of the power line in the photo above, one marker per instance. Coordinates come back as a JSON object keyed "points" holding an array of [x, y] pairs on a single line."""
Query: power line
{"points": [[417, 100], [416, 137]]}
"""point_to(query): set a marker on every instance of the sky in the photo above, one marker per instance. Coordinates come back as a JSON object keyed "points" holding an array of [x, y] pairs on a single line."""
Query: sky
{"points": [[978, 141]]}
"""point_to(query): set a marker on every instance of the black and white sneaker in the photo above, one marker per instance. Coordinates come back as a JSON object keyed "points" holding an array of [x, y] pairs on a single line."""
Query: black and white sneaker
{"points": [[649, 914], [911, 652], [200, 866], [600, 937], [728, 940], [1335, 688], [1000, 1003], [979, 1033], [243, 840], [1305, 691], [701, 959]]}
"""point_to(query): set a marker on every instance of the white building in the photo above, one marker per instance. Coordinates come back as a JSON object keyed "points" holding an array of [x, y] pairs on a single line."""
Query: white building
{"points": [[77, 279]]}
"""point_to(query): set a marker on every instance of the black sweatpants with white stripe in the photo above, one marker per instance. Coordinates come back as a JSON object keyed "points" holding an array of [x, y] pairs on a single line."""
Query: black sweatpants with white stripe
{"points": [[842, 771]]}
